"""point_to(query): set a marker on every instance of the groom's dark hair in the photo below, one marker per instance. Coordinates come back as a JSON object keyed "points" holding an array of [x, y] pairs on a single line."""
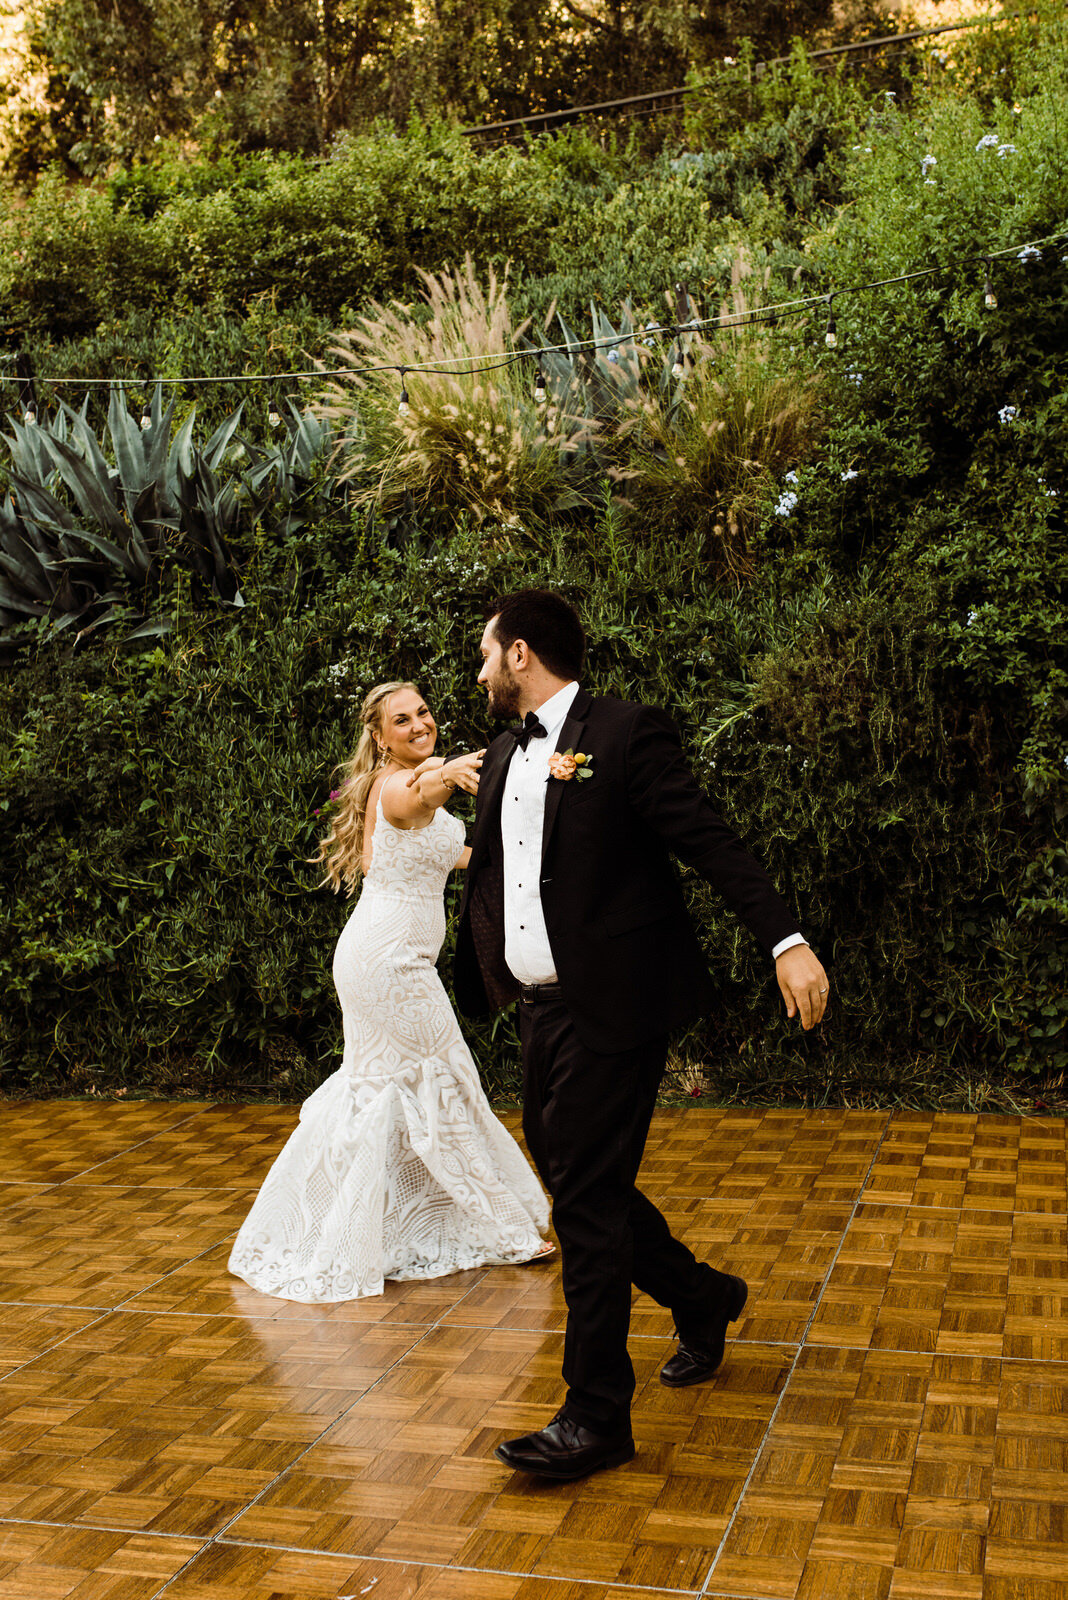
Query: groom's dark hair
{"points": [[547, 624]]}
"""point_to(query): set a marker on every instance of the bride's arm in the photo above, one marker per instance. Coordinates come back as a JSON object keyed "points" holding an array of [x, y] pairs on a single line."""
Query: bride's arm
{"points": [[410, 800]]}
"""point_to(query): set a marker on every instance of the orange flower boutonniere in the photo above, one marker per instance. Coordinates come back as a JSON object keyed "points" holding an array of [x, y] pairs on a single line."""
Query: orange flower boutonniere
{"points": [[568, 764]]}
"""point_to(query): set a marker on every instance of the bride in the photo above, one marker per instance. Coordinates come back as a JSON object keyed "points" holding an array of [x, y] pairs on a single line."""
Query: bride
{"points": [[398, 1167]]}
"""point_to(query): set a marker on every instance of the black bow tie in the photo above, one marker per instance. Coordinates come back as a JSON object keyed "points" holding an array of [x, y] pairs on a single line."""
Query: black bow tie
{"points": [[529, 728]]}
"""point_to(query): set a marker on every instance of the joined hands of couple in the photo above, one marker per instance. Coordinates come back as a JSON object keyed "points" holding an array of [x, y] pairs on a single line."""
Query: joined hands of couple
{"points": [[457, 772]]}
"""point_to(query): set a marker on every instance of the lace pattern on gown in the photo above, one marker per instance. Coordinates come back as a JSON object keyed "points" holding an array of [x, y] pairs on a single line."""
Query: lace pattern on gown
{"points": [[398, 1167]]}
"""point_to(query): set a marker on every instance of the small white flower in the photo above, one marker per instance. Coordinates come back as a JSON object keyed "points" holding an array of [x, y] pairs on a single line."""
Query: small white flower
{"points": [[889, 94], [972, 615], [1007, 414], [791, 477], [849, 474], [729, 61], [1006, 150], [930, 183], [1029, 252], [927, 163], [989, 141], [787, 502], [855, 375]]}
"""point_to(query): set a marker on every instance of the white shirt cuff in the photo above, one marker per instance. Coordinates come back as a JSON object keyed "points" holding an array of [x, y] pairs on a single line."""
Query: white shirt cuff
{"points": [[787, 944]]}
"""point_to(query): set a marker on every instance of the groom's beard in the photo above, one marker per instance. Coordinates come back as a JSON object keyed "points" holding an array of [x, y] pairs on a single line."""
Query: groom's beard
{"points": [[504, 696]]}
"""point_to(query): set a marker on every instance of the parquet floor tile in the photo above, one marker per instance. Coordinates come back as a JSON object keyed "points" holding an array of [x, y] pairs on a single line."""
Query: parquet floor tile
{"points": [[57, 1563], [49, 1141], [12, 1193], [979, 1162], [409, 1473], [890, 1421], [227, 1146], [934, 1278], [249, 1572], [27, 1331], [173, 1424], [95, 1245]]}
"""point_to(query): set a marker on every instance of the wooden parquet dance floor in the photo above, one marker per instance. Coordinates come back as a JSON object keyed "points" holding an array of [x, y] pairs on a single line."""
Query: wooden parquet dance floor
{"points": [[890, 1421]]}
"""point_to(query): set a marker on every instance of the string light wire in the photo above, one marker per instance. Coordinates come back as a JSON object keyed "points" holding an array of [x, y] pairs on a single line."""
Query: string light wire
{"points": [[461, 366]]}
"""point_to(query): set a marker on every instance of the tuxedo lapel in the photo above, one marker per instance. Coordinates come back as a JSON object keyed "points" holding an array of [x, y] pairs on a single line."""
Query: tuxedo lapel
{"points": [[570, 733]]}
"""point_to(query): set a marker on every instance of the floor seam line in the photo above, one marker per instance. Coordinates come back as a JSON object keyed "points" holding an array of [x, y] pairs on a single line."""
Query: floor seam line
{"points": [[793, 1365], [446, 1566], [73, 1334], [173, 1128], [218, 1537]]}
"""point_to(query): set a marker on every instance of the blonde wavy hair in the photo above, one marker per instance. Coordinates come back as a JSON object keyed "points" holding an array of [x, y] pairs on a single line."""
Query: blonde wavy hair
{"points": [[341, 852]]}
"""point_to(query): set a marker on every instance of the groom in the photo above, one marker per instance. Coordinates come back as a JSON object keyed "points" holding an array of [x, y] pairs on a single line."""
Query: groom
{"points": [[572, 908]]}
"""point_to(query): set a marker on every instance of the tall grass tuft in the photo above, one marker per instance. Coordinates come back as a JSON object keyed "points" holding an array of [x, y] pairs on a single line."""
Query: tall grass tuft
{"points": [[473, 439], [704, 452]]}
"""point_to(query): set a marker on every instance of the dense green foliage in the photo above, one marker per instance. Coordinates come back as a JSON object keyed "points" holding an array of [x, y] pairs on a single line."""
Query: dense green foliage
{"points": [[877, 696]]}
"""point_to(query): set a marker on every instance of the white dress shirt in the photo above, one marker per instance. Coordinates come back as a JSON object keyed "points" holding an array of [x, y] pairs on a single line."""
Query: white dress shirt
{"points": [[526, 939]]}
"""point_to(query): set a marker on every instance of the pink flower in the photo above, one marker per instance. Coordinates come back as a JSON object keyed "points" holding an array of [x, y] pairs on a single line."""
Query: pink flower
{"points": [[562, 764]]}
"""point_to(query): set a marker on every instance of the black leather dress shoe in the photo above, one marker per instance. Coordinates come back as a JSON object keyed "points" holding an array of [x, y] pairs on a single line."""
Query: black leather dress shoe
{"points": [[697, 1358], [564, 1450]]}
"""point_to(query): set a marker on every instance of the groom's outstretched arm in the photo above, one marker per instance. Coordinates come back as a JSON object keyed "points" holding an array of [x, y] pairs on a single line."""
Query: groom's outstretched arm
{"points": [[665, 793]]}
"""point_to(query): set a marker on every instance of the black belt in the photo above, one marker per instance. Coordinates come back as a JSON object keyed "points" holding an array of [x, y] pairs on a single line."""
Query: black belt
{"points": [[532, 994]]}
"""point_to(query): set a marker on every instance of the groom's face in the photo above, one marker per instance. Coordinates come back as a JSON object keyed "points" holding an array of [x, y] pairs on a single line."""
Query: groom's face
{"points": [[497, 676]]}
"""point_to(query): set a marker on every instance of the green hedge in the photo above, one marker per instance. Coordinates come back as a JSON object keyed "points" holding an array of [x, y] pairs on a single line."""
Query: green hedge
{"points": [[880, 709]]}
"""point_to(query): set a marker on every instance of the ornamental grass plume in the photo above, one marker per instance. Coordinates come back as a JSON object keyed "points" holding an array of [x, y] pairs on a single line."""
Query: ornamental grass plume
{"points": [[707, 453], [469, 440]]}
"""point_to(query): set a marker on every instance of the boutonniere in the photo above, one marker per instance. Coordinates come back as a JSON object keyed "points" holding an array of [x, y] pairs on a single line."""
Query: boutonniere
{"points": [[568, 764]]}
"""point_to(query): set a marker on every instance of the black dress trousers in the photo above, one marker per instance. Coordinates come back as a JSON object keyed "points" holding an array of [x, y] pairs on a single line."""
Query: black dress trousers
{"points": [[586, 1118]]}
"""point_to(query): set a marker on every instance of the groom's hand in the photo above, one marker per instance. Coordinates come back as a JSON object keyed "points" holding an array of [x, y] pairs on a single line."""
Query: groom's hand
{"points": [[804, 984]]}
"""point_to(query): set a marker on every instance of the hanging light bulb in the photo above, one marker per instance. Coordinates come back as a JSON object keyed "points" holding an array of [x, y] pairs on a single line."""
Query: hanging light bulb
{"points": [[539, 387], [403, 408], [830, 338], [678, 369], [146, 418], [274, 416], [29, 416], [990, 299]]}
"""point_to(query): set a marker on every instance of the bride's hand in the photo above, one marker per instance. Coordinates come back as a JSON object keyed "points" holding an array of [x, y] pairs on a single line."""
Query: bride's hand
{"points": [[429, 765], [462, 772]]}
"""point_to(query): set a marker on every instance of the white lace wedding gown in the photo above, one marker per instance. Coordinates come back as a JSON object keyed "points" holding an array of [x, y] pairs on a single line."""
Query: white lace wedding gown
{"points": [[398, 1167]]}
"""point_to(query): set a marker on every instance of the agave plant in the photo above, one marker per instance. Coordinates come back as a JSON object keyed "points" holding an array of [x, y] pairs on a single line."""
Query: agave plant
{"points": [[293, 470], [84, 543]]}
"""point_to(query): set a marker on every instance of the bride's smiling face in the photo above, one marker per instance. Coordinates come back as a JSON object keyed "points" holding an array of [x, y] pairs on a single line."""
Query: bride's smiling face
{"points": [[408, 733]]}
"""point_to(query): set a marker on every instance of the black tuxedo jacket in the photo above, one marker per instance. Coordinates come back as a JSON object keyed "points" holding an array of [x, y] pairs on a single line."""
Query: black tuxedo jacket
{"points": [[625, 950]]}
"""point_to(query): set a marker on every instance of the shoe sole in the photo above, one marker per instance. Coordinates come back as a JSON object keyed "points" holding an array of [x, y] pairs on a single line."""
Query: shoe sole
{"points": [[703, 1377], [618, 1458]]}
